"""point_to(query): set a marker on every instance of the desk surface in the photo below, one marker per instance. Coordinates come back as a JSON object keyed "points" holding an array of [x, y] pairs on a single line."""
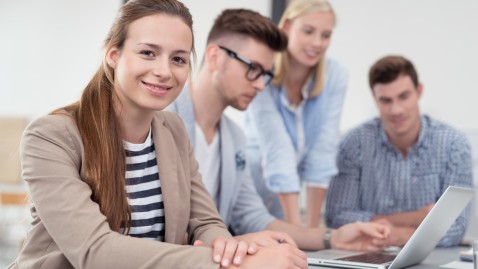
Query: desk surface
{"points": [[438, 257]]}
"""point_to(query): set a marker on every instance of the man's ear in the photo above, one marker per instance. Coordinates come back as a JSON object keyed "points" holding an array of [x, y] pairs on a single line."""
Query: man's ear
{"points": [[420, 90], [112, 57], [211, 56]]}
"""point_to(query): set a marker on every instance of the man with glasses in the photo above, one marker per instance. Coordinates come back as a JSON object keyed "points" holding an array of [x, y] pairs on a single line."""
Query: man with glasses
{"points": [[237, 64], [254, 71]]}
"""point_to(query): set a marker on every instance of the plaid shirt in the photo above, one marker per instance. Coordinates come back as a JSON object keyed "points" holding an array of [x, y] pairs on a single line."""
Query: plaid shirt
{"points": [[376, 179]]}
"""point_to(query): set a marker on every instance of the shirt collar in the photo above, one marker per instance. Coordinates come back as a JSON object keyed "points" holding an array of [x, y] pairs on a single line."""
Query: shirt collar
{"points": [[305, 92], [422, 135]]}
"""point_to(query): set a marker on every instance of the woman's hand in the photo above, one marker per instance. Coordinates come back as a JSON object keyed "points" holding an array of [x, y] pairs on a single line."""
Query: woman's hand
{"points": [[279, 256], [229, 251], [267, 238]]}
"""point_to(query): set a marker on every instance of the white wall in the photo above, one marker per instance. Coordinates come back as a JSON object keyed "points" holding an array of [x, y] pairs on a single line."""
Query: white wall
{"points": [[439, 36], [50, 49]]}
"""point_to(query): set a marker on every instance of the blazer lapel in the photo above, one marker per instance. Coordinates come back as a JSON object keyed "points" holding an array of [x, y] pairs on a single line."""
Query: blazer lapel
{"points": [[167, 156]]}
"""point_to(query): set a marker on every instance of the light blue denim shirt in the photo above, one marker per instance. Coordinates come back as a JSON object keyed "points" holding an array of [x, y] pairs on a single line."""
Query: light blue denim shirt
{"points": [[287, 144]]}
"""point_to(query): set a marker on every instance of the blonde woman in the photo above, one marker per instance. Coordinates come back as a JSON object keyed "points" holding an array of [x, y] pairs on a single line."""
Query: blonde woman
{"points": [[292, 126]]}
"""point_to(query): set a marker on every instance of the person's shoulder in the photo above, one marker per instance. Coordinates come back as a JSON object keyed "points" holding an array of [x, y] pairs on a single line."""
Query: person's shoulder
{"points": [[266, 96], [169, 119], [368, 129], [448, 141], [271, 87], [57, 123], [172, 123], [440, 130], [231, 124], [334, 63], [59, 129], [233, 128], [336, 77], [366, 132], [336, 68]]}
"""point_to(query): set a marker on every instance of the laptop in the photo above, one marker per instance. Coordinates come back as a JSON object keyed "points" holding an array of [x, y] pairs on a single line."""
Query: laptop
{"points": [[423, 241]]}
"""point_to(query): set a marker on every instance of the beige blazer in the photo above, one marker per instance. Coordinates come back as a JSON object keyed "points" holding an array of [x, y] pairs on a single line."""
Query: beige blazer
{"points": [[68, 229]]}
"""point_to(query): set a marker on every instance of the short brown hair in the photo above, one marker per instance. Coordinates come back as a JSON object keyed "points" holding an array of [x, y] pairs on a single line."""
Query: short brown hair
{"points": [[388, 68], [248, 23]]}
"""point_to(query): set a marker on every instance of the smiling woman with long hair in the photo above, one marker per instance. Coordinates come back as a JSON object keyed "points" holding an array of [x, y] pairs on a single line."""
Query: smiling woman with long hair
{"points": [[111, 170]]}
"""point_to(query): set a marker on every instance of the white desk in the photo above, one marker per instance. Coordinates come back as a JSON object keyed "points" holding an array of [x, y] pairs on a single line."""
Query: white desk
{"points": [[439, 256]]}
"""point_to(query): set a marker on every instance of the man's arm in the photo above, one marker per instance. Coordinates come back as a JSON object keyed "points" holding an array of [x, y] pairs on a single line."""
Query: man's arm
{"points": [[403, 224], [399, 235], [459, 172], [353, 236], [410, 218], [249, 214], [306, 238], [343, 195]]}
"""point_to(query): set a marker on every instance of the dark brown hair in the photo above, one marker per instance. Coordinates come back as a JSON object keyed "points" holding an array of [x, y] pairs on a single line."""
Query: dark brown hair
{"points": [[388, 68], [99, 125], [248, 23]]}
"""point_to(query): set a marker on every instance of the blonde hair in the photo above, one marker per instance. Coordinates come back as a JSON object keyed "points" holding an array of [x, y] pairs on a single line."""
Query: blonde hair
{"points": [[296, 9]]}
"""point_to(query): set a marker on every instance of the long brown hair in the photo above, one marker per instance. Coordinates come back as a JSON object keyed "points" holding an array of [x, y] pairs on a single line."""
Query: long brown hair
{"points": [[99, 125]]}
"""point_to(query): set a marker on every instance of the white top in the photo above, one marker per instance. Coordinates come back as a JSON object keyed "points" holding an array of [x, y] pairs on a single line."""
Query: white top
{"points": [[298, 111], [208, 157]]}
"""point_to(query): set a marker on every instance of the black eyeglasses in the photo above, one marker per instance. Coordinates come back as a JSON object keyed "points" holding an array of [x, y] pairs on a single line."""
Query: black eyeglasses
{"points": [[254, 71]]}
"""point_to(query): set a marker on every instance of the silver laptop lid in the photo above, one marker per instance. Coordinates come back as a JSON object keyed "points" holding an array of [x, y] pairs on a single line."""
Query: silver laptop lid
{"points": [[433, 227]]}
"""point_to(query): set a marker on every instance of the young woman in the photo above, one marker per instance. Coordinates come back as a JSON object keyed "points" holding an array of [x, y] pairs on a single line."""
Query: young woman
{"points": [[292, 126], [109, 172]]}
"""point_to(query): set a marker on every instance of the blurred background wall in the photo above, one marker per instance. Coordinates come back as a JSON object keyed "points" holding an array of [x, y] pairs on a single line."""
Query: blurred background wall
{"points": [[50, 49]]}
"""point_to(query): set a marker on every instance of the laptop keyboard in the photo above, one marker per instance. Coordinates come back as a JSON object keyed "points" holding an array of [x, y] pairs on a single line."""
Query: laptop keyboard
{"points": [[371, 257]]}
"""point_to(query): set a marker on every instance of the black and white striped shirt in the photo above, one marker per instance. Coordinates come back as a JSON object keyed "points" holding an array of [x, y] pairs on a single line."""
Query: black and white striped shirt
{"points": [[144, 191]]}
